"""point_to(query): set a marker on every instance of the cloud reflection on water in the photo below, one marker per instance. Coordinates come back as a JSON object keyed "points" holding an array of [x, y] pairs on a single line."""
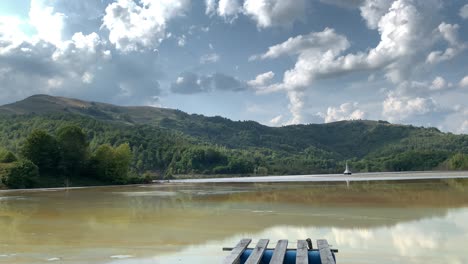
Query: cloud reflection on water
{"points": [[431, 240]]}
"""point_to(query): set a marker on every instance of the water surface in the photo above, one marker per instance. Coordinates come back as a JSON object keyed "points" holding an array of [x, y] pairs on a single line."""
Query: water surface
{"points": [[384, 222]]}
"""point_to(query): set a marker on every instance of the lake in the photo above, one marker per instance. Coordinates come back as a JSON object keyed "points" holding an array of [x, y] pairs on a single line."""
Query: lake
{"points": [[422, 221]]}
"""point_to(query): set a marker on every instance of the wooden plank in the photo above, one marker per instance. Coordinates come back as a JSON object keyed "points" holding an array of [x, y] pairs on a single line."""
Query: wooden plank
{"points": [[280, 252], [334, 250], [325, 253], [257, 252], [234, 257], [302, 252]]}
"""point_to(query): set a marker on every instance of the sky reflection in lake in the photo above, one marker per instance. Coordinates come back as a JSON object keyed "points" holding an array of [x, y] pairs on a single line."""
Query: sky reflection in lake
{"points": [[187, 223]]}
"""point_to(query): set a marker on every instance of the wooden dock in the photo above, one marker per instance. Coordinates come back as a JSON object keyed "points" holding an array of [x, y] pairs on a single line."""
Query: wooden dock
{"points": [[304, 253]]}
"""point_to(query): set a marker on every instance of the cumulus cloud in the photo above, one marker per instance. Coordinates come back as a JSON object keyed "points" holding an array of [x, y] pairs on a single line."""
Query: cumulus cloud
{"points": [[261, 79], [228, 9], [464, 11], [190, 83], [346, 111], [210, 7], [313, 44], [78, 16], [373, 10], [464, 82], [9, 32], [450, 34], [81, 65], [48, 23], [439, 83], [398, 109], [40, 66], [209, 58], [134, 26], [423, 88], [266, 13], [269, 13], [275, 121], [181, 41], [402, 24]]}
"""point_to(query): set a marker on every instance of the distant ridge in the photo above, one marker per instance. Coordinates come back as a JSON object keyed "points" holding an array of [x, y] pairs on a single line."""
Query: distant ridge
{"points": [[47, 104], [339, 140]]}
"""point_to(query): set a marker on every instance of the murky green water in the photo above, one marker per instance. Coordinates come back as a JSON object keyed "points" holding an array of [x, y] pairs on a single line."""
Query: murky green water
{"points": [[424, 222]]}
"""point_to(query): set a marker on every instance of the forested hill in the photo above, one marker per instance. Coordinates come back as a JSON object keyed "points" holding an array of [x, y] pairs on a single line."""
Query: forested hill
{"points": [[167, 140]]}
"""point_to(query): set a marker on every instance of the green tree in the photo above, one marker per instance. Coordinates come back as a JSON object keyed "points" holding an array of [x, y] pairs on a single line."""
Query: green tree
{"points": [[262, 170], [73, 147], [101, 162], [112, 164], [43, 150], [24, 174], [7, 156], [123, 159], [458, 161]]}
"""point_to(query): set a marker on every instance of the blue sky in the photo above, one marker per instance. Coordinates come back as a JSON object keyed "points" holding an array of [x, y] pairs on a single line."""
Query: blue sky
{"points": [[272, 61]]}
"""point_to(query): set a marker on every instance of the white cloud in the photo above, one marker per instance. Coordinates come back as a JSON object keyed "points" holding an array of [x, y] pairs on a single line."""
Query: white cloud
{"points": [[313, 44], [228, 9], [464, 11], [401, 25], [275, 121], [397, 109], [210, 7], [449, 33], [48, 23], [373, 10], [346, 111], [135, 26], [423, 88], [81, 52], [88, 42], [49, 61], [87, 77], [50, 68], [10, 29], [181, 41], [269, 13], [266, 13], [209, 58], [261, 79], [464, 82], [296, 106], [439, 83]]}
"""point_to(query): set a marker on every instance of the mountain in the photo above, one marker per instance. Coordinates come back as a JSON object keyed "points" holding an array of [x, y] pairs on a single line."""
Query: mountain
{"points": [[45, 104], [371, 145]]}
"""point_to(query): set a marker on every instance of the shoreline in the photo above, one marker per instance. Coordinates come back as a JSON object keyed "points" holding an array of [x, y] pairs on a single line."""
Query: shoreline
{"points": [[51, 189], [368, 176], [357, 177]]}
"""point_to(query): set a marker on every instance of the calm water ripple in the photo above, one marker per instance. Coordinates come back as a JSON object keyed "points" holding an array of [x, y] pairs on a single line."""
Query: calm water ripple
{"points": [[404, 222]]}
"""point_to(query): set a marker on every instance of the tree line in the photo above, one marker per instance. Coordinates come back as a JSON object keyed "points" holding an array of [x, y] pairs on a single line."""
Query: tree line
{"points": [[57, 160], [73, 150]]}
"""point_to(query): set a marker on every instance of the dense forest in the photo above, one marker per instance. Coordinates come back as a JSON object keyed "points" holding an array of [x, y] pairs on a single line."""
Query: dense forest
{"points": [[63, 158], [85, 143]]}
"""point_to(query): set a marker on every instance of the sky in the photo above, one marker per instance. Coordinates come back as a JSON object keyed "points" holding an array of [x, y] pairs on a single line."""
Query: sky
{"points": [[273, 61]]}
